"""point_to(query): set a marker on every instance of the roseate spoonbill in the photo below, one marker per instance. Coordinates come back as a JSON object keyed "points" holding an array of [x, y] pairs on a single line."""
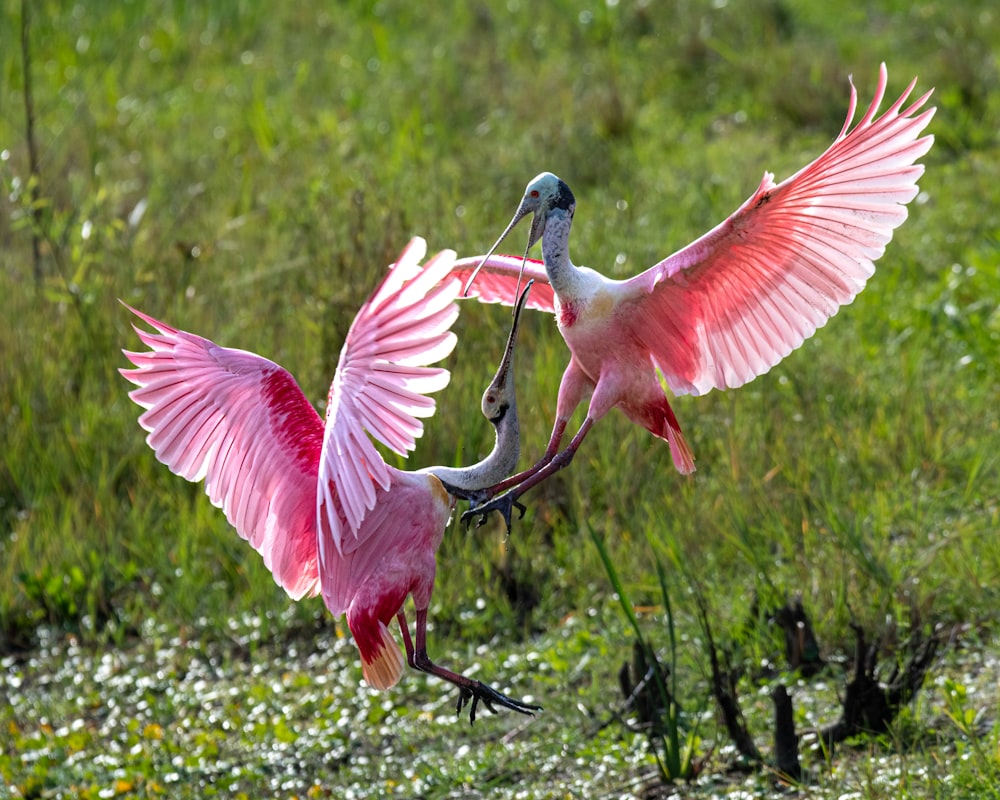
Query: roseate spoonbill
{"points": [[727, 307], [317, 500]]}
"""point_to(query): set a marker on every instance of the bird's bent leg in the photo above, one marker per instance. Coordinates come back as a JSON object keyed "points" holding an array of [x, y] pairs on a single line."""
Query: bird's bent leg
{"points": [[404, 628], [558, 429], [507, 502], [468, 689], [560, 460]]}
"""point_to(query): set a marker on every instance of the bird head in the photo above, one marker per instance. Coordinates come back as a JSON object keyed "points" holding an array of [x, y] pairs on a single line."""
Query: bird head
{"points": [[543, 194]]}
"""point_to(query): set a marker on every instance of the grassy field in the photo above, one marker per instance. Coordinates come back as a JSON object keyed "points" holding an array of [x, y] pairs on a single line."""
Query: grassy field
{"points": [[247, 174]]}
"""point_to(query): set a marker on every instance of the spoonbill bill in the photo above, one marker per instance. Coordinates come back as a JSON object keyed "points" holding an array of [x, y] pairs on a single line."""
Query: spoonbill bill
{"points": [[317, 501], [725, 308]]}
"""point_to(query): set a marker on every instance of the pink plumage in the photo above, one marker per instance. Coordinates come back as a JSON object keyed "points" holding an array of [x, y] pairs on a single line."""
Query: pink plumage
{"points": [[240, 423], [749, 292], [316, 499], [733, 303]]}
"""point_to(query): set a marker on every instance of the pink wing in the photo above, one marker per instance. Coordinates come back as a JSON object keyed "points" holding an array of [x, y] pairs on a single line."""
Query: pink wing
{"points": [[497, 283], [731, 305], [240, 422], [381, 385]]}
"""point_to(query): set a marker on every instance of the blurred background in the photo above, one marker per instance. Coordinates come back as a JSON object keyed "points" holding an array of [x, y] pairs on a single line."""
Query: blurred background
{"points": [[247, 170]]}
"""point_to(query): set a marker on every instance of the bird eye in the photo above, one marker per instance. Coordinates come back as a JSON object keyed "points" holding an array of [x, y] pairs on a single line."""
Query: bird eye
{"points": [[491, 398], [533, 192]]}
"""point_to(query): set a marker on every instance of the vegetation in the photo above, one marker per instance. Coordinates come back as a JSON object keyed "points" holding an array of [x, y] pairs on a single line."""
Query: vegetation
{"points": [[247, 170]]}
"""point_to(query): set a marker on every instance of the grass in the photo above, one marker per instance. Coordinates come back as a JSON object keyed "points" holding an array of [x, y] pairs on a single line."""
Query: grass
{"points": [[247, 172]]}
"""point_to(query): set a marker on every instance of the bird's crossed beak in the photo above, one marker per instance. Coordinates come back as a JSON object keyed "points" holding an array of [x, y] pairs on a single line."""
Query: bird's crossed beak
{"points": [[508, 356], [528, 205]]}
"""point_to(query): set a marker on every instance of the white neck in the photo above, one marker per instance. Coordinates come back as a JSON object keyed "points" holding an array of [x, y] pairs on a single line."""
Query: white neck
{"points": [[555, 252], [500, 463]]}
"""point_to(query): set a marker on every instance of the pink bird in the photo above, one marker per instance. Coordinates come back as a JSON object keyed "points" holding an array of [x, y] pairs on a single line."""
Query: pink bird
{"points": [[724, 309], [317, 501]]}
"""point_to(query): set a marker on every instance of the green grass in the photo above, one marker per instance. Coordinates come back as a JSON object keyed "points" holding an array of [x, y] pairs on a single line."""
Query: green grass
{"points": [[283, 156]]}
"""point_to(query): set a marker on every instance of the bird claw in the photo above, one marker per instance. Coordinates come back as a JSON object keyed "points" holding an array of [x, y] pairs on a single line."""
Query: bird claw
{"points": [[505, 504], [480, 692]]}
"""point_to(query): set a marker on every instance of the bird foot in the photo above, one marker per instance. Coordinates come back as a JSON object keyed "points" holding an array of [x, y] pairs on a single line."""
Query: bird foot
{"points": [[505, 504], [474, 496], [480, 692]]}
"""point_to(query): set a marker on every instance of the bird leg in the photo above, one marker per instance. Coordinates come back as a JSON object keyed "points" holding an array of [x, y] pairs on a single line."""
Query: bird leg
{"points": [[550, 452], [468, 689], [404, 628], [507, 502]]}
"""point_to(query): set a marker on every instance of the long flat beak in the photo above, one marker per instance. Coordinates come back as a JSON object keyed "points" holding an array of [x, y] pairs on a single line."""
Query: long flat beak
{"points": [[522, 211], [508, 356]]}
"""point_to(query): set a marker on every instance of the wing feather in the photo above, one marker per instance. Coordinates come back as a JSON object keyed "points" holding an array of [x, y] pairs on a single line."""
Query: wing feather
{"points": [[380, 389], [497, 282], [240, 423], [753, 289]]}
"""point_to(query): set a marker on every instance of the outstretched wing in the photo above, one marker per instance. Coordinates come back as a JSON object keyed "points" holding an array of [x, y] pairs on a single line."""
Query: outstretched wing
{"points": [[732, 304], [381, 385], [497, 283], [241, 423]]}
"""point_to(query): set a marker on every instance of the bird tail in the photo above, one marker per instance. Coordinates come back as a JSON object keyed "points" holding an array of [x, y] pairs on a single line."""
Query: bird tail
{"points": [[383, 667], [658, 418], [679, 450]]}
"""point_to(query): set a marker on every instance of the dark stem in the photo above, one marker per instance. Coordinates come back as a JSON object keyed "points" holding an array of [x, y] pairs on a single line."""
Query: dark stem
{"points": [[869, 705], [29, 124], [724, 691], [786, 744]]}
